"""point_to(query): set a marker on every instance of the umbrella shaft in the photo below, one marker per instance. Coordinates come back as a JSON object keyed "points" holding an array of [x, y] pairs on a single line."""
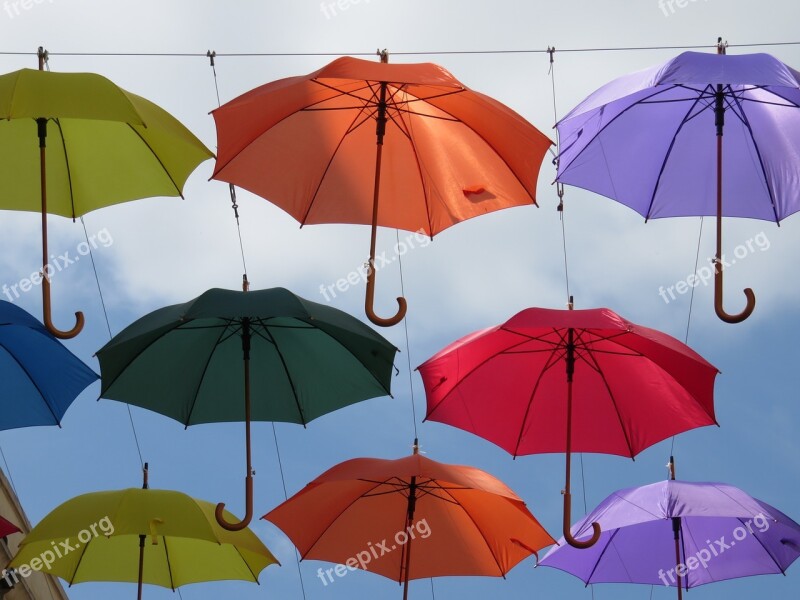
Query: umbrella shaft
{"points": [[141, 566]]}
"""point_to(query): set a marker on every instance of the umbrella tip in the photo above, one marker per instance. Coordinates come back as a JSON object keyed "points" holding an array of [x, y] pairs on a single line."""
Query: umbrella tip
{"points": [[384, 54], [245, 283], [571, 303]]}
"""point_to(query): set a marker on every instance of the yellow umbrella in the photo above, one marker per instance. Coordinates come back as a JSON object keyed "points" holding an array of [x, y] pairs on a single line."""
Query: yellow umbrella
{"points": [[74, 142], [158, 537]]}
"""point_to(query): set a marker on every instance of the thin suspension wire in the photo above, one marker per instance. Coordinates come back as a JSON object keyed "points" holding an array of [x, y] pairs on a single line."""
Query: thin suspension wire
{"points": [[408, 347], [8, 471], [691, 305], [559, 186], [211, 55], [286, 497], [408, 53], [110, 335]]}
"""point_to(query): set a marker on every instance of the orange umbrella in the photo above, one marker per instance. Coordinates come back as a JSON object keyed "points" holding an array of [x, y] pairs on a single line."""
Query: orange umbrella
{"points": [[373, 514], [443, 153]]}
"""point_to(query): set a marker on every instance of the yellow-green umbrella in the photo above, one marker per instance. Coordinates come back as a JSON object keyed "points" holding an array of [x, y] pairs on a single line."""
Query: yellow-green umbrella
{"points": [[74, 142], [158, 537]]}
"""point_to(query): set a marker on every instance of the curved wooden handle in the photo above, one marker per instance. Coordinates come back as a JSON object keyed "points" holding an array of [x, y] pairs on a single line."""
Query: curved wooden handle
{"points": [[248, 515], [48, 317], [582, 544], [718, 308], [369, 302]]}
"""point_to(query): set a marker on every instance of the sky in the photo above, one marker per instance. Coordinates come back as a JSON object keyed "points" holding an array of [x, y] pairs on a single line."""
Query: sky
{"points": [[164, 251]]}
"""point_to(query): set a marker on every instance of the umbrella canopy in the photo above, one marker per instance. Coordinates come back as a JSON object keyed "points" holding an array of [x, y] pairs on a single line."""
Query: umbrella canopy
{"points": [[99, 537], [40, 377], [442, 153], [98, 145], [454, 520], [185, 361], [723, 534], [647, 140], [570, 380], [7, 528]]}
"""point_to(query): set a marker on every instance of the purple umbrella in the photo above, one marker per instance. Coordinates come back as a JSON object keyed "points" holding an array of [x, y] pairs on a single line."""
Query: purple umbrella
{"points": [[717, 531], [647, 141]]}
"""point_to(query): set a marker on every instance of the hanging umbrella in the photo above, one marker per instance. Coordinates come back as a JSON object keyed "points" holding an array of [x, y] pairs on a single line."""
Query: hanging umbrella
{"points": [[646, 140], [456, 520], [103, 536], [184, 361], [681, 534], [40, 377], [106, 146], [443, 153], [570, 380], [7, 528]]}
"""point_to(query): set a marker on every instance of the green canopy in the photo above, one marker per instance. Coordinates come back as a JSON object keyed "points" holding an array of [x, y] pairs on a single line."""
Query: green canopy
{"points": [[185, 361]]}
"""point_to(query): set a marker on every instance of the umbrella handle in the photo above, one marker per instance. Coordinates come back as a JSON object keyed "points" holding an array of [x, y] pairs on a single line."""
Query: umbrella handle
{"points": [[751, 297], [369, 301], [248, 514], [718, 308], [47, 314], [582, 544]]}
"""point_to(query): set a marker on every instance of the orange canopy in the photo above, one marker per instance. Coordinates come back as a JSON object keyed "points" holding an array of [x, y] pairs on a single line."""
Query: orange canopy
{"points": [[308, 144], [464, 522]]}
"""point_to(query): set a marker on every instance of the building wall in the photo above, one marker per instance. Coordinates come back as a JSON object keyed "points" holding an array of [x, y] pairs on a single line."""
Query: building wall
{"points": [[38, 586]]}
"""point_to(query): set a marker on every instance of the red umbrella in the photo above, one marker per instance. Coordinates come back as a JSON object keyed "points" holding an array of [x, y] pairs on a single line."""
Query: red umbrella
{"points": [[7, 528], [564, 381]]}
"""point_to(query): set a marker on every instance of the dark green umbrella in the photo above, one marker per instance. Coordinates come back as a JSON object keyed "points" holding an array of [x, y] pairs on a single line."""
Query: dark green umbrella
{"points": [[184, 361]]}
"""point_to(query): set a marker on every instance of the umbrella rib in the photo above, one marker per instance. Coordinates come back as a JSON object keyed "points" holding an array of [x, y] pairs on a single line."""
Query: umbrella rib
{"points": [[255, 577], [760, 543], [480, 531], [327, 168], [158, 159], [351, 353], [35, 384], [613, 401], [336, 518], [551, 362], [169, 565], [422, 178], [746, 123], [622, 112], [303, 421], [69, 171], [205, 369], [667, 156], [462, 379], [588, 580], [791, 104], [80, 561]]}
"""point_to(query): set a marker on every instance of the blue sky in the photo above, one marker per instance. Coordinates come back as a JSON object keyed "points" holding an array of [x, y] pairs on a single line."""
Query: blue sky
{"points": [[474, 275]]}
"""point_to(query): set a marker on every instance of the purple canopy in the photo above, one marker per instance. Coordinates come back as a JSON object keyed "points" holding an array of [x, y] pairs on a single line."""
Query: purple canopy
{"points": [[725, 534], [648, 140]]}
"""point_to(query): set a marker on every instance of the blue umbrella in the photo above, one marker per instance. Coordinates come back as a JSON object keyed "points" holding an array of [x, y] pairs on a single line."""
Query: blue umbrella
{"points": [[40, 377]]}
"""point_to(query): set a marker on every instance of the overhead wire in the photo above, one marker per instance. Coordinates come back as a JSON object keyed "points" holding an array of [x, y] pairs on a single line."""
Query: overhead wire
{"points": [[409, 53]]}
